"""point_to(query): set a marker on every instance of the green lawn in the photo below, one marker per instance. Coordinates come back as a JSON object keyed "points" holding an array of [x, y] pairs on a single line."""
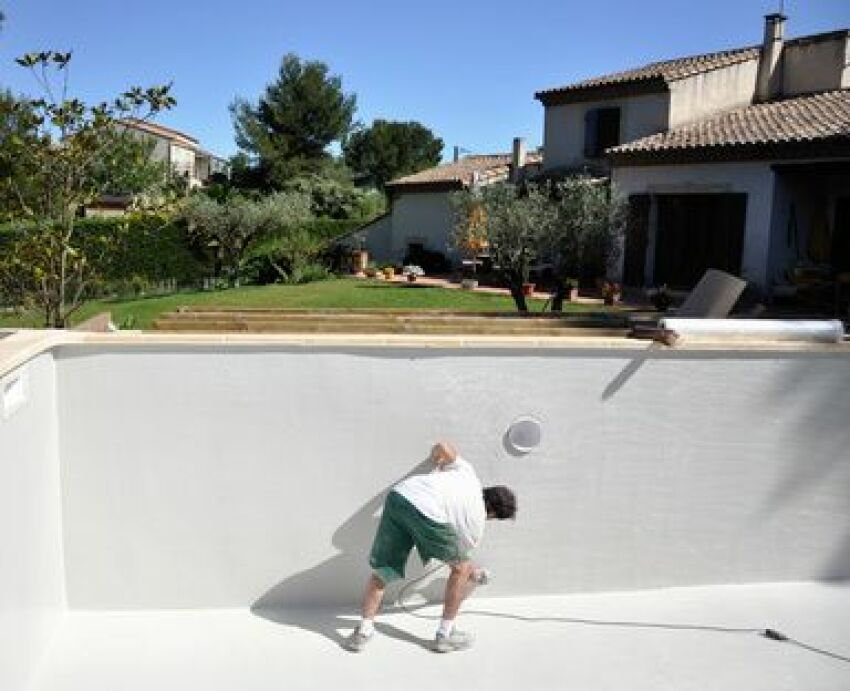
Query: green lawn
{"points": [[139, 313]]}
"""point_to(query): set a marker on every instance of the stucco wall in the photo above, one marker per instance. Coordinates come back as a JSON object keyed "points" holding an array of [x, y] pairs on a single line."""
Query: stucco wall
{"points": [[425, 217], [31, 577], [198, 478], [757, 180], [712, 92], [563, 126], [816, 66], [379, 239]]}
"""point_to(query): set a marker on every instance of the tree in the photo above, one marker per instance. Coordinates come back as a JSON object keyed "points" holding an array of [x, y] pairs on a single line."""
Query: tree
{"points": [[513, 220], [584, 235], [289, 129], [16, 131], [64, 159], [229, 227], [387, 150]]}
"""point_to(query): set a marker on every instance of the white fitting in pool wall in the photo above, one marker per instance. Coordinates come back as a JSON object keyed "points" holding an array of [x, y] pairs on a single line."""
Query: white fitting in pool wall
{"points": [[802, 331], [14, 390]]}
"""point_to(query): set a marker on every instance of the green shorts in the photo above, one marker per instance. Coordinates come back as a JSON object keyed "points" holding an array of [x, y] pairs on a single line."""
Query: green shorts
{"points": [[401, 529]]}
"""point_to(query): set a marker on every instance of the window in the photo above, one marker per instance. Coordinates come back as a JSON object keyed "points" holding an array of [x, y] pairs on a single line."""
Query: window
{"points": [[601, 130]]}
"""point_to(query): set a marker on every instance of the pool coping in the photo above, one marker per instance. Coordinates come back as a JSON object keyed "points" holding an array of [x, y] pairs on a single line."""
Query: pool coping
{"points": [[25, 344]]}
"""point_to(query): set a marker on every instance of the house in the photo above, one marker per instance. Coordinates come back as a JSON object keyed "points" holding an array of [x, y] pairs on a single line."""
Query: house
{"points": [[420, 219], [180, 151], [737, 160]]}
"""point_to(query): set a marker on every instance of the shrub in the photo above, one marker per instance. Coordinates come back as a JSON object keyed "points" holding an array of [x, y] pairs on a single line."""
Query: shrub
{"points": [[127, 254]]}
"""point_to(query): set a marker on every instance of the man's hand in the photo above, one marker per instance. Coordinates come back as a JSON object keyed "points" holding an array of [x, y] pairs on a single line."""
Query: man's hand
{"points": [[443, 453]]}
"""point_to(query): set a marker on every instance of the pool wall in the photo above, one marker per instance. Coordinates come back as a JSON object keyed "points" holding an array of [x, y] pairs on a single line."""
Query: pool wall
{"points": [[32, 590], [217, 477]]}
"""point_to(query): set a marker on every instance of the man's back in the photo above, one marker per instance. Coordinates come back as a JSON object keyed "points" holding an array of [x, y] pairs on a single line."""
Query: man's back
{"points": [[451, 494]]}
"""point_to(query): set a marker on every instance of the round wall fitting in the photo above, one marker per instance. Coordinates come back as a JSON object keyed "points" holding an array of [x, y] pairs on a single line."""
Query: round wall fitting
{"points": [[525, 434]]}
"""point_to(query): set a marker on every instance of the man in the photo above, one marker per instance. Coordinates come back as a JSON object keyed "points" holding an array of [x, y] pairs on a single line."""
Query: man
{"points": [[442, 514]]}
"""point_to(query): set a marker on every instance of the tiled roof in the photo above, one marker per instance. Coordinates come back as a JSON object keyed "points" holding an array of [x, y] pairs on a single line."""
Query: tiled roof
{"points": [[659, 73], [460, 174], [804, 120], [161, 131]]}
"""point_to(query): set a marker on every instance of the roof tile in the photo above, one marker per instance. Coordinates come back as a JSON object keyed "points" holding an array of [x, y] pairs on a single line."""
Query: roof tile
{"points": [[807, 118]]}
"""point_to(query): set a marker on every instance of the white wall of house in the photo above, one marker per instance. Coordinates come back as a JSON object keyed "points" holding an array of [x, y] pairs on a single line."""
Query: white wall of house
{"points": [[564, 126], [379, 239], [810, 66], [712, 92], [32, 594], [183, 161], [424, 217], [755, 179], [213, 476]]}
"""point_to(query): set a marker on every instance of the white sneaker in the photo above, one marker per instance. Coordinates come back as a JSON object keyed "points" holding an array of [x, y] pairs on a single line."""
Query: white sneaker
{"points": [[456, 640], [357, 641]]}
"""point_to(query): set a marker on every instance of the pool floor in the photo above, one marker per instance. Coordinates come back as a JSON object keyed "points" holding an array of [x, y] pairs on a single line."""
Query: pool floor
{"points": [[522, 643]]}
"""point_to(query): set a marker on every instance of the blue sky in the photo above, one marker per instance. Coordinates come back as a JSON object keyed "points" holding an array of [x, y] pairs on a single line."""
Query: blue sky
{"points": [[468, 70]]}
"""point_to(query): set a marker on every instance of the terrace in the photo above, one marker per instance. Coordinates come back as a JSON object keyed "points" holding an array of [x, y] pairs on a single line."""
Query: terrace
{"points": [[192, 510]]}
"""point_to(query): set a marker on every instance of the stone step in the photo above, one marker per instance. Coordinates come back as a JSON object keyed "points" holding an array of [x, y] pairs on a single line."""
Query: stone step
{"points": [[377, 327]]}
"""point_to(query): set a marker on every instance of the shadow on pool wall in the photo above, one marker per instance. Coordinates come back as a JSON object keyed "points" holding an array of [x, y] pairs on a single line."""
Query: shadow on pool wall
{"points": [[302, 600]]}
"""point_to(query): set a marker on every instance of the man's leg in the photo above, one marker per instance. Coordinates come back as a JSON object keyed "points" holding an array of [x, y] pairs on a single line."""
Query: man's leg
{"points": [[372, 598], [457, 588], [459, 585]]}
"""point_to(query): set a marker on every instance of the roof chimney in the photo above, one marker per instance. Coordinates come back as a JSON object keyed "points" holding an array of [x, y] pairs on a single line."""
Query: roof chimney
{"points": [[769, 76], [518, 159]]}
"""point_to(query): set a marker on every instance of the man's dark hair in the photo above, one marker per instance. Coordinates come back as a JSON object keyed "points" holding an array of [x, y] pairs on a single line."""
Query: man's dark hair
{"points": [[500, 502]]}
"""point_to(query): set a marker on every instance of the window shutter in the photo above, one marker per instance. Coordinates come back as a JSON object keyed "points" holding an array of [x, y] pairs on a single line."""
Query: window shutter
{"points": [[591, 133]]}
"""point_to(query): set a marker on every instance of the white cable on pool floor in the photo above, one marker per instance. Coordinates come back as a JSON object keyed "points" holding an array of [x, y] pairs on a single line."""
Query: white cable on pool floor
{"points": [[771, 634]]}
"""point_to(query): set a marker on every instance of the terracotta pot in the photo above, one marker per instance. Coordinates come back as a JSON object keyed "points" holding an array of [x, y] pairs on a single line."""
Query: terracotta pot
{"points": [[411, 278], [527, 289], [361, 261]]}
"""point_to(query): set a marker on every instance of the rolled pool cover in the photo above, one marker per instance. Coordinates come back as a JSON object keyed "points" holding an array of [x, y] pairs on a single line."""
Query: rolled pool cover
{"points": [[800, 331]]}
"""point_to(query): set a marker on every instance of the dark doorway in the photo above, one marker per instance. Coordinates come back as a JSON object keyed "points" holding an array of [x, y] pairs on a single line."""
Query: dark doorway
{"points": [[697, 232], [637, 239], [841, 236]]}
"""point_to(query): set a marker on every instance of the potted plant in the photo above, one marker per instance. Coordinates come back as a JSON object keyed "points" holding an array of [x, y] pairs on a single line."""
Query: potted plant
{"points": [[661, 298], [371, 271], [389, 272], [359, 255], [572, 289], [610, 292], [412, 271]]}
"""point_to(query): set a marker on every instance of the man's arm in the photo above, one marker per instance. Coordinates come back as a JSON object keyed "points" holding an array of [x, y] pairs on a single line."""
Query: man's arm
{"points": [[443, 454]]}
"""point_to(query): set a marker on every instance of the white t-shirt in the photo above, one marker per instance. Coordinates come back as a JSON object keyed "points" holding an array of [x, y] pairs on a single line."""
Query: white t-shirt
{"points": [[452, 495]]}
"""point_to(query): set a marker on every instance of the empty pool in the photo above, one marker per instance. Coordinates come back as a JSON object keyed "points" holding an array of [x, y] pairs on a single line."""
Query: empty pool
{"points": [[193, 512]]}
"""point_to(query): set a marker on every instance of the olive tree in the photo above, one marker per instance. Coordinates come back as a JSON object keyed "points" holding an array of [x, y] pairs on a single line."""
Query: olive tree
{"points": [[584, 231], [64, 155], [511, 222], [229, 227]]}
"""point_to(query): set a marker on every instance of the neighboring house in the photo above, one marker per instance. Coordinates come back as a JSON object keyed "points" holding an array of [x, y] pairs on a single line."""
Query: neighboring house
{"points": [[738, 160], [180, 151], [420, 218]]}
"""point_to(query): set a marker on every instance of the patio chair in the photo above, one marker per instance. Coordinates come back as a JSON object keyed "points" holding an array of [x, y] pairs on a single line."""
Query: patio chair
{"points": [[712, 298]]}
